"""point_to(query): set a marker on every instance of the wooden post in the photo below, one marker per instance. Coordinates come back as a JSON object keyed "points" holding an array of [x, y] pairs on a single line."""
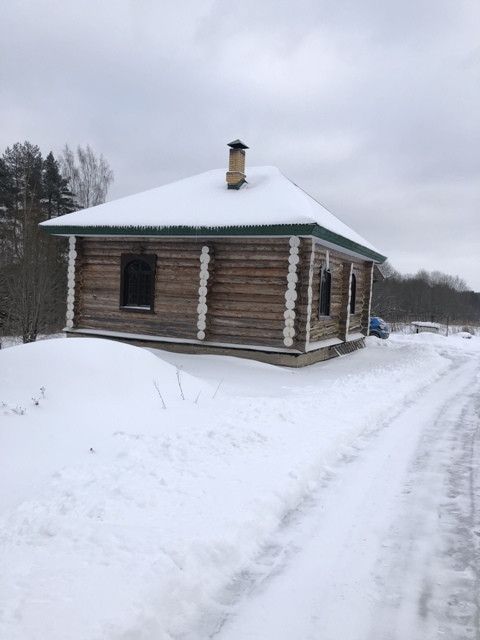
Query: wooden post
{"points": [[367, 298], [310, 294], [72, 254], [202, 308], [291, 292], [345, 308]]}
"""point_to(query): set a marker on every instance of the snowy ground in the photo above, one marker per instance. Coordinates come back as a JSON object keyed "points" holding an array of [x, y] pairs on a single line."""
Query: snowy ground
{"points": [[336, 501]]}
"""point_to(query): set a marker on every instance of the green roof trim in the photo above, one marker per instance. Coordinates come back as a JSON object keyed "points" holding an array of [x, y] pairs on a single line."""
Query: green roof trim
{"points": [[312, 229]]}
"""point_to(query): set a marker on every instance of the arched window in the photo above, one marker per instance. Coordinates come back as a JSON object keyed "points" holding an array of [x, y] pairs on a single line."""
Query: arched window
{"points": [[353, 293], [325, 286], [138, 281]]}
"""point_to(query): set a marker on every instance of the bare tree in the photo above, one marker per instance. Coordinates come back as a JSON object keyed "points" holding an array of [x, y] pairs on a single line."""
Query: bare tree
{"points": [[432, 296], [89, 175]]}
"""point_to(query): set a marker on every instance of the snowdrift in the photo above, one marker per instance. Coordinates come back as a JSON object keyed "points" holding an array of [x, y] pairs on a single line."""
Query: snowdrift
{"points": [[120, 518]]}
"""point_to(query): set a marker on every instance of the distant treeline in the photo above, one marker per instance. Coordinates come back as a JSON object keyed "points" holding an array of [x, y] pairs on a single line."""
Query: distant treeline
{"points": [[427, 296], [34, 188]]}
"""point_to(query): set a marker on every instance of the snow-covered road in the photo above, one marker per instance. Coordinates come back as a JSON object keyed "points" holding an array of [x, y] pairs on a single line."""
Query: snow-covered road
{"points": [[388, 546]]}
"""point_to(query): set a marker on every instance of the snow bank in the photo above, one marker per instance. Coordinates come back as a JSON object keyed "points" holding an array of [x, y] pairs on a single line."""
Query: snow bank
{"points": [[121, 519], [454, 341], [60, 394]]}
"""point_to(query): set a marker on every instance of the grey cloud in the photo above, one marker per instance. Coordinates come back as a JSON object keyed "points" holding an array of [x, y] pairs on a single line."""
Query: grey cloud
{"points": [[371, 106]]}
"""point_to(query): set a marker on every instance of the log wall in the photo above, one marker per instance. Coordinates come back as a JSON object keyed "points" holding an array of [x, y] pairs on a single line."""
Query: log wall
{"points": [[176, 287], [245, 293], [247, 296], [323, 328], [246, 290]]}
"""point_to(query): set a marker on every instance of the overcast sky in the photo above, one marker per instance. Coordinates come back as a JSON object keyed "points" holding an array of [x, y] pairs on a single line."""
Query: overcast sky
{"points": [[371, 106]]}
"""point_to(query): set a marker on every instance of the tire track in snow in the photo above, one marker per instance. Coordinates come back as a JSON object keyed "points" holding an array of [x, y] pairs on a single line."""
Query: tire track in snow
{"points": [[439, 536], [320, 526]]}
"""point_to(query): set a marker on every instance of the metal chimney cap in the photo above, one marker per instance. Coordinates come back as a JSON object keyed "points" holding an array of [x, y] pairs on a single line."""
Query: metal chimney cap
{"points": [[237, 144]]}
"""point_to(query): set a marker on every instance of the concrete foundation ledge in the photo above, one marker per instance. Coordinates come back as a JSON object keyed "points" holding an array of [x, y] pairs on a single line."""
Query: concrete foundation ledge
{"points": [[269, 357]]}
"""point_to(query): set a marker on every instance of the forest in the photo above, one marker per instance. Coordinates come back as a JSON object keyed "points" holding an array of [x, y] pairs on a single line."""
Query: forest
{"points": [[426, 296], [34, 188]]}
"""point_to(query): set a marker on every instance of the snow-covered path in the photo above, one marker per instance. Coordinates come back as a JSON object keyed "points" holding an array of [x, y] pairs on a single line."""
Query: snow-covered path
{"points": [[388, 546]]}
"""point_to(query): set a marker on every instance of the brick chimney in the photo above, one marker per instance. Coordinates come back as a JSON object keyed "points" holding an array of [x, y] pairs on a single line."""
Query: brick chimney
{"points": [[236, 164]]}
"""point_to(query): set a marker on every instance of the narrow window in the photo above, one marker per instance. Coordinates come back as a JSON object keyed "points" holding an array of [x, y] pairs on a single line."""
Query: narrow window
{"points": [[138, 282], [325, 286], [353, 293]]}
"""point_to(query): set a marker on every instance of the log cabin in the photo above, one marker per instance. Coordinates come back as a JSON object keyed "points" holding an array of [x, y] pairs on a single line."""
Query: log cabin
{"points": [[244, 264]]}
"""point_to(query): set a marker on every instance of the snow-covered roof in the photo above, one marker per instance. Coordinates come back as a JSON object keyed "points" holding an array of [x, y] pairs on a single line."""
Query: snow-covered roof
{"points": [[203, 202]]}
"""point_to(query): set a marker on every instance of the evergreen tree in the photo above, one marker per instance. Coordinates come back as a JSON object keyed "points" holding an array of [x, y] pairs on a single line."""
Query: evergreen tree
{"points": [[32, 263], [57, 197], [32, 278]]}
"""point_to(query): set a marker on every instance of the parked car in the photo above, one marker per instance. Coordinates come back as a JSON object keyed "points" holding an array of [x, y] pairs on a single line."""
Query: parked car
{"points": [[379, 328]]}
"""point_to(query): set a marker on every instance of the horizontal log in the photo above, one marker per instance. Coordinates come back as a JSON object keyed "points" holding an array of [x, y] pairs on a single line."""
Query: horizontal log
{"points": [[262, 300], [247, 253], [323, 326], [260, 314], [248, 290], [140, 245], [238, 322], [245, 335], [323, 335], [187, 316], [132, 315], [114, 260], [160, 310], [112, 280], [250, 272], [220, 279], [175, 259], [164, 243], [272, 333], [239, 303], [115, 324], [98, 250], [245, 261], [163, 289], [165, 298]]}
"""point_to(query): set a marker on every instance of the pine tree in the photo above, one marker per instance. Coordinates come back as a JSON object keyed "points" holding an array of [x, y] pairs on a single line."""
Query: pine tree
{"points": [[33, 264], [57, 197], [57, 200], [32, 280]]}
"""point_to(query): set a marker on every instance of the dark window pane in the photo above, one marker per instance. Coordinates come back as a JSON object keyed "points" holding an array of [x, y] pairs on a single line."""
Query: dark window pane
{"points": [[137, 284], [325, 286], [353, 293]]}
